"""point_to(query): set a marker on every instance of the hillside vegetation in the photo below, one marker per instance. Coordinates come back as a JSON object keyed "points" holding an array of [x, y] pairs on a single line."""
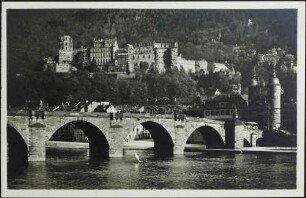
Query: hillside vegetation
{"points": [[202, 34]]}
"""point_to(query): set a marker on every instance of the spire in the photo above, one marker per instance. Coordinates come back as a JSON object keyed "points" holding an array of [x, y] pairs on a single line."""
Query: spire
{"points": [[254, 70], [254, 81], [274, 73]]}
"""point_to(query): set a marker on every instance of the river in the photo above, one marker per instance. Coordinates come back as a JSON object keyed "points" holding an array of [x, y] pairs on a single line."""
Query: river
{"points": [[72, 169]]}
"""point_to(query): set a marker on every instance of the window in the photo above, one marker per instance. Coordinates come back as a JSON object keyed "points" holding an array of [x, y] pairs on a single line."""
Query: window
{"points": [[222, 112], [144, 56], [149, 56], [212, 113], [133, 57]]}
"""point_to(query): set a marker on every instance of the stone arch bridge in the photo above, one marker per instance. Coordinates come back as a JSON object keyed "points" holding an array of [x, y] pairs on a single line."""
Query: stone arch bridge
{"points": [[106, 137]]}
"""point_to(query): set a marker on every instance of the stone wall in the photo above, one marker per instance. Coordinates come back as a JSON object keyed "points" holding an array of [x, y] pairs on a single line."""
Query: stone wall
{"points": [[62, 67]]}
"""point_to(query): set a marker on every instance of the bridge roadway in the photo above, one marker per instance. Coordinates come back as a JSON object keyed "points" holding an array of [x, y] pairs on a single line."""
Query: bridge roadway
{"points": [[27, 137]]}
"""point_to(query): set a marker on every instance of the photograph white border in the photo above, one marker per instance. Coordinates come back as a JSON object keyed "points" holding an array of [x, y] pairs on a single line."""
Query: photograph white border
{"points": [[300, 6]]}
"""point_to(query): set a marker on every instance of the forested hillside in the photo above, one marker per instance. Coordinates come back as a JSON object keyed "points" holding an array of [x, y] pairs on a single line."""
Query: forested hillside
{"points": [[34, 34]]}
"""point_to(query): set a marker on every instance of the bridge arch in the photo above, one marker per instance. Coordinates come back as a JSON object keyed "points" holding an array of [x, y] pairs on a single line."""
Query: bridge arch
{"points": [[163, 141], [17, 147], [98, 143], [211, 136], [246, 143], [260, 142]]}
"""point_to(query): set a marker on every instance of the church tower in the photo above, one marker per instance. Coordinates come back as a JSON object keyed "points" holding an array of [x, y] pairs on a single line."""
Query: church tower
{"points": [[254, 91], [274, 94]]}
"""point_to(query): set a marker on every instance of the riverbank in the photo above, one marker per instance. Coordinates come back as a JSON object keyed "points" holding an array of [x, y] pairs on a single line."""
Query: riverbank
{"points": [[72, 145], [149, 145]]}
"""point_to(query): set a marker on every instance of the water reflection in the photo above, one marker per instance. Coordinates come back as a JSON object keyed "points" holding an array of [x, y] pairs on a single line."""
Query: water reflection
{"points": [[74, 169]]}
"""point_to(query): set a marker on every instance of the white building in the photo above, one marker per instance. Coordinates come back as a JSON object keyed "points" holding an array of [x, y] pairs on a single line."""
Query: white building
{"points": [[220, 67], [139, 132]]}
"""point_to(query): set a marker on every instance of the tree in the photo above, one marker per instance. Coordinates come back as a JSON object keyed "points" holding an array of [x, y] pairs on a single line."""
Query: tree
{"points": [[211, 67], [236, 79], [93, 66], [78, 60]]}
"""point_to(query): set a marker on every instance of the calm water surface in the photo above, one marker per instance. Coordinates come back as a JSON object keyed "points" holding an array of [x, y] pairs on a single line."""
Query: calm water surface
{"points": [[72, 169]]}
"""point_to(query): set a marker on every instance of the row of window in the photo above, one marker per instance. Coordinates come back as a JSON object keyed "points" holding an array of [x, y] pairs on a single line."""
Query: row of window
{"points": [[67, 38], [101, 50], [65, 58], [101, 55], [144, 57], [143, 51], [221, 104], [99, 45], [251, 126], [102, 61], [220, 112], [144, 44], [66, 46]]}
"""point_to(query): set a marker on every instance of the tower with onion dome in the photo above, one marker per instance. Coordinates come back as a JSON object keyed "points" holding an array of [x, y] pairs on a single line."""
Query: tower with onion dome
{"points": [[274, 101], [254, 95]]}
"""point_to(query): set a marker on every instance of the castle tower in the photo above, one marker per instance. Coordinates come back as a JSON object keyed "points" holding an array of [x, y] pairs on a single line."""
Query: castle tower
{"points": [[274, 94], [65, 54], [174, 55], [166, 55], [254, 90], [161, 54]]}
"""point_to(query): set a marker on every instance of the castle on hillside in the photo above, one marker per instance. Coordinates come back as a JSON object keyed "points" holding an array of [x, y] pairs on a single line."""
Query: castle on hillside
{"points": [[162, 56], [106, 56]]}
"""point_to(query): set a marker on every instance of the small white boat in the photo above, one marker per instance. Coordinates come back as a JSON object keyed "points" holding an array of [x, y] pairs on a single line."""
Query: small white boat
{"points": [[138, 159]]}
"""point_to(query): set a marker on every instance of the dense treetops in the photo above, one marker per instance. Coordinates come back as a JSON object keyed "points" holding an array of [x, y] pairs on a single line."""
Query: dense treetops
{"points": [[201, 34]]}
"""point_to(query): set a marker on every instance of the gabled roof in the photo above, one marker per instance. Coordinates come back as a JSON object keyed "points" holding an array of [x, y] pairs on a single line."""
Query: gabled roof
{"points": [[234, 99]]}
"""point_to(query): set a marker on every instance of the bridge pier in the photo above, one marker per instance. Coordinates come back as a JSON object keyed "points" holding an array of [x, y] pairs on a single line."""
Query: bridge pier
{"points": [[117, 153], [234, 134], [178, 150], [37, 153], [181, 135], [37, 149]]}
